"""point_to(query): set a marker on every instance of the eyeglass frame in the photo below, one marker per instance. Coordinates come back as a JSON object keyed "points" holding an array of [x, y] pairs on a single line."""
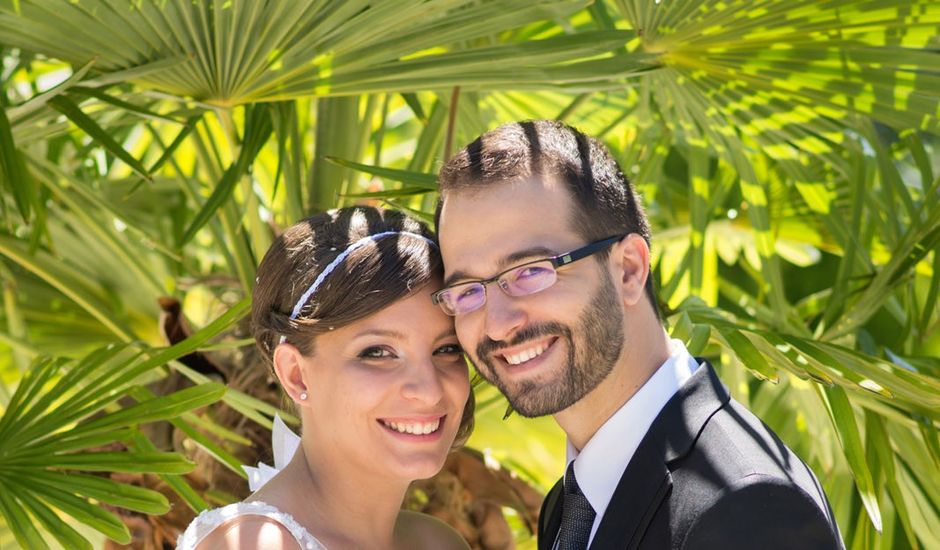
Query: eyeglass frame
{"points": [[557, 261]]}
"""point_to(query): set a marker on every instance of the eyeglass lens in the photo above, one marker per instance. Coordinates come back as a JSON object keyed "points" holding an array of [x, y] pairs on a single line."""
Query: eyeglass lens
{"points": [[523, 280], [528, 279]]}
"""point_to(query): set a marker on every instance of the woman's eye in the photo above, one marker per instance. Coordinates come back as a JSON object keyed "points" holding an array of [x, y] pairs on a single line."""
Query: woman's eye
{"points": [[376, 352], [449, 349]]}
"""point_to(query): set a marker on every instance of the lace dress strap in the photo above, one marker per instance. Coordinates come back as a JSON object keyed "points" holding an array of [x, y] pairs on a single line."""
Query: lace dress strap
{"points": [[209, 520]]}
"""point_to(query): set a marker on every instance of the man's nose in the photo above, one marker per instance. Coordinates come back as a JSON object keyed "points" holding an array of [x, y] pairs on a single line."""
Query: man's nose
{"points": [[423, 383], [503, 316]]}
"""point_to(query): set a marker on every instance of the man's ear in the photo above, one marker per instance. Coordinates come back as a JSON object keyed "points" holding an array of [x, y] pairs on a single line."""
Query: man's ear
{"points": [[288, 366], [631, 259]]}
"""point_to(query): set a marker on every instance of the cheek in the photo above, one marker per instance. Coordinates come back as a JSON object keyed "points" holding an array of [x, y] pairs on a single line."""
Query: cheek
{"points": [[455, 379], [357, 390], [565, 302], [468, 328]]}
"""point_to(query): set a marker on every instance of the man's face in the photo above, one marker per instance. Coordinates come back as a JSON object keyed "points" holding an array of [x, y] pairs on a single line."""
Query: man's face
{"points": [[547, 350]]}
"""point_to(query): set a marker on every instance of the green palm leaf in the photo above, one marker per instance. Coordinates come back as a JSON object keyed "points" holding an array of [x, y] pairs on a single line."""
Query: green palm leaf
{"points": [[51, 415], [244, 51], [783, 71], [53, 424]]}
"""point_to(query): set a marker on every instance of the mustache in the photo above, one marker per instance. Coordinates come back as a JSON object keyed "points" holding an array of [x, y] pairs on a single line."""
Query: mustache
{"points": [[488, 346]]}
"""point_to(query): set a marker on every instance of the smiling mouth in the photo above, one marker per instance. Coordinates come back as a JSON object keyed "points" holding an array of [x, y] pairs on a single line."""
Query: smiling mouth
{"points": [[527, 354], [414, 428]]}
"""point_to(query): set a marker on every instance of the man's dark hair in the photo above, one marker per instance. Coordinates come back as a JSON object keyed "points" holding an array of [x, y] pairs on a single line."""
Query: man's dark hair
{"points": [[606, 203]]}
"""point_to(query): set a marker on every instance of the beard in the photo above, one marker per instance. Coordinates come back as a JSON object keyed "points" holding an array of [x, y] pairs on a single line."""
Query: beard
{"points": [[594, 346]]}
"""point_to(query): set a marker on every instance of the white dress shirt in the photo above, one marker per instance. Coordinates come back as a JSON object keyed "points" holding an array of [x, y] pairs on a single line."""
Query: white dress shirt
{"points": [[601, 463]]}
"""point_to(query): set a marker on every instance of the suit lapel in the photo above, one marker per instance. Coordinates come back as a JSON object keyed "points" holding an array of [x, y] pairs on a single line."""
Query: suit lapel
{"points": [[647, 481], [641, 490], [550, 517], [684, 417]]}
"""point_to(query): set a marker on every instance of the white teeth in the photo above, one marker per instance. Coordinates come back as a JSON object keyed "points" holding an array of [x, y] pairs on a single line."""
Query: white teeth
{"points": [[419, 428], [524, 355]]}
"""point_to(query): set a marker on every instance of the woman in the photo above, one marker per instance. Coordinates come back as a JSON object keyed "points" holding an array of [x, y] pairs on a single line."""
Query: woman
{"points": [[342, 310]]}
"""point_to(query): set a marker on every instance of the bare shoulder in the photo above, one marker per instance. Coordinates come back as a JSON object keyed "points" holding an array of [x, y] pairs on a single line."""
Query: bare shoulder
{"points": [[244, 532], [416, 530]]}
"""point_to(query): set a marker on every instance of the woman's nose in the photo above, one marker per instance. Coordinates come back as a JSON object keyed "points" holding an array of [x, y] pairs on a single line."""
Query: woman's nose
{"points": [[423, 383]]}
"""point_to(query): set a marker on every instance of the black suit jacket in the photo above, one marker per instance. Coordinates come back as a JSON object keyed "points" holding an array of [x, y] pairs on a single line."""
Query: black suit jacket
{"points": [[708, 474]]}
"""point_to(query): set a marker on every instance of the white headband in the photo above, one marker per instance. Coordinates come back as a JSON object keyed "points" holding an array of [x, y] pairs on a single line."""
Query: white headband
{"points": [[339, 259]]}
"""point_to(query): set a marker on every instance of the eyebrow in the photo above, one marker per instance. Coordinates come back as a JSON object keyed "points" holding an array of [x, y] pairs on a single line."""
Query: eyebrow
{"points": [[380, 332], [446, 334], [400, 335], [534, 252]]}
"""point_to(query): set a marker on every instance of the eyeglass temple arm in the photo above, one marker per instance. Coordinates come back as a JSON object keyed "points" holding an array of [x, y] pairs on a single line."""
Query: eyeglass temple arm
{"points": [[585, 251]]}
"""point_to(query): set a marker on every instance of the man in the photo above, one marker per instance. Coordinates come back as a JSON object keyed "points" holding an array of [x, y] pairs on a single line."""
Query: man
{"points": [[546, 253]]}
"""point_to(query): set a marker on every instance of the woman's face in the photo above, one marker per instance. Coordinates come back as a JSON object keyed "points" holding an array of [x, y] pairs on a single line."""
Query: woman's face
{"points": [[387, 392]]}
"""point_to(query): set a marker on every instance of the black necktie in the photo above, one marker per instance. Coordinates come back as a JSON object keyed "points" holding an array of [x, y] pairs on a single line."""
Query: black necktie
{"points": [[577, 516]]}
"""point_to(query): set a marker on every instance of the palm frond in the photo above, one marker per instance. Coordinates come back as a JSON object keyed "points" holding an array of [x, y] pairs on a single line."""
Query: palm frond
{"points": [[232, 52], [53, 423]]}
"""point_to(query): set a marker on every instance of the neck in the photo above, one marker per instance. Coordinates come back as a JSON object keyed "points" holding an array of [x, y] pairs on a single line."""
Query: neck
{"points": [[646, 348], [328, 497]]}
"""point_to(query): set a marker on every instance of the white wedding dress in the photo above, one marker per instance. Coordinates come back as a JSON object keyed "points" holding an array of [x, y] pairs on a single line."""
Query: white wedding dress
{"points": [[284, 444], [207, 521]]}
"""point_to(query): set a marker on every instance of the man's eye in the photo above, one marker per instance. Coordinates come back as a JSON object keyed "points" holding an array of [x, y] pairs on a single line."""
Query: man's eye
{"points": [[376, 352], [449, 349], [531, 271], [468, 291]]}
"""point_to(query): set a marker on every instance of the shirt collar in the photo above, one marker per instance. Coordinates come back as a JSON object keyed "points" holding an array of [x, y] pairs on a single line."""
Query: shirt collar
{"points": [[601, 463]]}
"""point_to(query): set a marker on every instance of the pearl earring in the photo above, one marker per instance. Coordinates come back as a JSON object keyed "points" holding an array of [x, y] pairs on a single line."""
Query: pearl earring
{"points": [[303, 396]]}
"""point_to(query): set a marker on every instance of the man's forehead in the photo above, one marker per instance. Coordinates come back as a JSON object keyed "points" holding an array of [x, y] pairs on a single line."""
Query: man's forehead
{"points": [[483, 235], [469, 200], [468, 218], [496, 246]]}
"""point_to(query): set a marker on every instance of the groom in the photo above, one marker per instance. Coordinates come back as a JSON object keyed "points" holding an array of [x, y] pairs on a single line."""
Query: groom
{"points": [[546, 249]]}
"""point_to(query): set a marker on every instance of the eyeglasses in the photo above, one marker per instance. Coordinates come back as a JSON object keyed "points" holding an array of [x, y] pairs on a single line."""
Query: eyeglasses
{"points": [[521, 280]]}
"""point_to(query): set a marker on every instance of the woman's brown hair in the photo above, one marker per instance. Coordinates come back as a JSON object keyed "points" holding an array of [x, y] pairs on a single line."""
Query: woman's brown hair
{"points": [[370, 279]]}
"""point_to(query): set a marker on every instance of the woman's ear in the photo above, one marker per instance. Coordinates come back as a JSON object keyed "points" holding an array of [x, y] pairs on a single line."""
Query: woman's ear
{"points": [[631, 259], [288, 366]]}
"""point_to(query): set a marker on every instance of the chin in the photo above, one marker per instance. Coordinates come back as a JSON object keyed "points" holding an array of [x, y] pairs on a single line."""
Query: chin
{"points": [[533, 400], [423, 467]]}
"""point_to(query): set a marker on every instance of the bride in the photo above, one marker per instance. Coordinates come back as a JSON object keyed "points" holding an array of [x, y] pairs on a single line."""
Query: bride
{"points": [[342, 310]]}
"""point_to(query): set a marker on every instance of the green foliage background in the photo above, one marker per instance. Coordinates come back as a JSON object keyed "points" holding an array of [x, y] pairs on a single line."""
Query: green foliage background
{"points": [[786, 151]]}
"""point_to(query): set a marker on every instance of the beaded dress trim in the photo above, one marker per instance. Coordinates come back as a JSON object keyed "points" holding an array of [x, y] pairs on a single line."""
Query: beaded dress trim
{"points": [[209, 520]]}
